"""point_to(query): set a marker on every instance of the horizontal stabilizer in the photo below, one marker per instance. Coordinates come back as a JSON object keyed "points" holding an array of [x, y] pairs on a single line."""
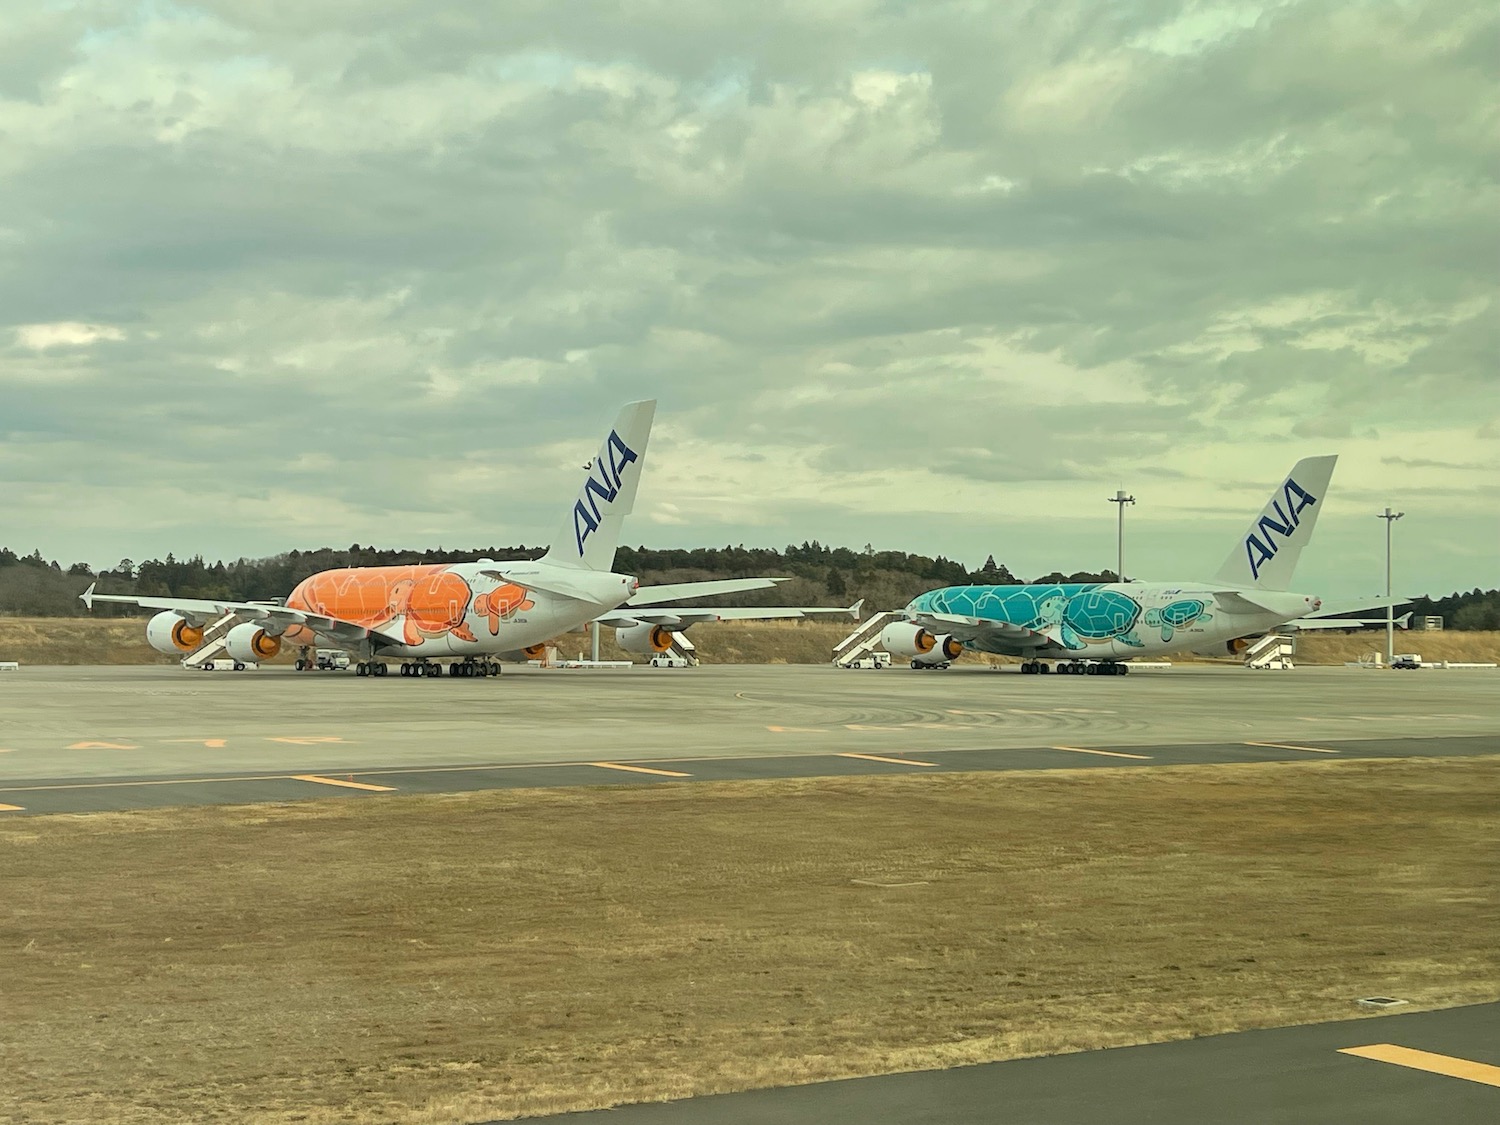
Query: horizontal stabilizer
{"points": [[671, 592], [555, 584]]}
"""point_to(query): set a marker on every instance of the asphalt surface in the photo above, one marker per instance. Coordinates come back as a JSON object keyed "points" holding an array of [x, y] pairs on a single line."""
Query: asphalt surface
{"points": [[110, 738], [1285, 1076]]}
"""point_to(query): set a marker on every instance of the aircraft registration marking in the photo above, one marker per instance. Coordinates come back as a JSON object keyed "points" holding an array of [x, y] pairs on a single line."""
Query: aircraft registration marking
{"points": [[638, 769], [1446, 1065], [1104, 753], [316, 780], [892, 761], [1289, 746]]}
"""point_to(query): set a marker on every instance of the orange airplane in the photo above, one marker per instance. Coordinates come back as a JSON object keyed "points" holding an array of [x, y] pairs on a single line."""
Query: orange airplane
{"points": [[472, 615]]}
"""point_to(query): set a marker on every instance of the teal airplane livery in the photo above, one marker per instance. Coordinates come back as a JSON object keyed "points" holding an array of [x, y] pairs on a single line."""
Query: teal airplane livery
{"points": [[1095, 627]]}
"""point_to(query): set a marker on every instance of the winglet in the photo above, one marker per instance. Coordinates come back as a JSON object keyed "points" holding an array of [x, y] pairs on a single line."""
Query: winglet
{"points": [[87, 597], [855, 608]]}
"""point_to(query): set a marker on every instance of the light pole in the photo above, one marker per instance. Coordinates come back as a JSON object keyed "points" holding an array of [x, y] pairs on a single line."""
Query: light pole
{"points": [[1121, 499], [1390, 517]]}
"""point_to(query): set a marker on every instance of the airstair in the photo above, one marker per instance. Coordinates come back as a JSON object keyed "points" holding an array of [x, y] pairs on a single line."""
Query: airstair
{"points": [[684, 648], [212, 646], [1274, 650], [863, 641]]}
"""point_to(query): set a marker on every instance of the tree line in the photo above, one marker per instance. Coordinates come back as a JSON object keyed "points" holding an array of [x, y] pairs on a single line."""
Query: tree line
{"points": [[31, 585]]}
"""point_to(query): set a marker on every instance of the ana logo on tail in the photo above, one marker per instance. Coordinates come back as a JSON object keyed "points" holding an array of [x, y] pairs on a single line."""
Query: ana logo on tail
{"points": [[610, 464], [1261, 549]]}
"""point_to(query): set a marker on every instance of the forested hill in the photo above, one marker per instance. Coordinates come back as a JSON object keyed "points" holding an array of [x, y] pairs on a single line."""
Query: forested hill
{"points": [[31, 585]]}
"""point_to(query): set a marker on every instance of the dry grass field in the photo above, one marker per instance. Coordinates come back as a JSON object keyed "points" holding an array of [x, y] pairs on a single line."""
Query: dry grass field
{"points": [[77, 640], [457, 958]]}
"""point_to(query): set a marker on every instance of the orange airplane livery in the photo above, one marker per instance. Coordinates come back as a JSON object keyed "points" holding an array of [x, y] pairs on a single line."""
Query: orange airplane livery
{"points": [[470, 616]]}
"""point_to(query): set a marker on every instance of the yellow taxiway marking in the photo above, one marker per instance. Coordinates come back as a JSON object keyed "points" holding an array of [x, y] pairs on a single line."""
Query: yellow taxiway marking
{"points": [[638, 769], [1425, 1060], [211, 743], [343, 784], [797, 730], [1104, 753], [12, 808], [892, 761], [1289, 746], [308, 740], [103, 746]]}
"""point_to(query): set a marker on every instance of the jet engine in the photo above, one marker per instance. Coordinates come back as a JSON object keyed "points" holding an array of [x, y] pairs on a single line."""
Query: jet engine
{"points": [[945, 650], [644, 639], [249, 643], [173, 634], [522, 655], [905, 639]]}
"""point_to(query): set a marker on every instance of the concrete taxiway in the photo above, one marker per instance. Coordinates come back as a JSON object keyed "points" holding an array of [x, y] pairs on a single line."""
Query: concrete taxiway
{"points": [[82, 739], [1426, 1066]]}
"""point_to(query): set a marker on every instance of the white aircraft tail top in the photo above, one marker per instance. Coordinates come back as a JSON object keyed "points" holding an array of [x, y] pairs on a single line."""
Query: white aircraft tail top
{"points": [[1266, 555], [591, 530]]}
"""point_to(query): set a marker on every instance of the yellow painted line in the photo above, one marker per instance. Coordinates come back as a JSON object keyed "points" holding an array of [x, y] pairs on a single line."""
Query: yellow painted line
{"points": [[1288, 746], [1445, 1065], [892, 761], [1104, 753], [12, 808], [103, 746], [343, 784], [638, 769]]}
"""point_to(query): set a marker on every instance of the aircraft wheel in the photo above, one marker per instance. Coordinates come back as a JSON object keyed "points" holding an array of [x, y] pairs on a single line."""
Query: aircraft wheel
{"points": [[300, 665], [1093, 670], [494, 667], [1124, 669], [360, 669], [381, 669], [1044, 669]]}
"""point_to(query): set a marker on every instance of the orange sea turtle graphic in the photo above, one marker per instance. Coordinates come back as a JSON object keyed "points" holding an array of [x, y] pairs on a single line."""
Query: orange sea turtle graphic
{"points": [[501, 604]]}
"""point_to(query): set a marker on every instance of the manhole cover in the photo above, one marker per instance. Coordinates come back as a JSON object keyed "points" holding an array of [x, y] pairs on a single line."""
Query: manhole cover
{"points": [[1380, 1003]]}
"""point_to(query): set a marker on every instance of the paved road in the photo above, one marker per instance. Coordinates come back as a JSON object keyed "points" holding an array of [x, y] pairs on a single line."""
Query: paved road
{"points": [[22, 796], [80, 739], [1287, 1076]]}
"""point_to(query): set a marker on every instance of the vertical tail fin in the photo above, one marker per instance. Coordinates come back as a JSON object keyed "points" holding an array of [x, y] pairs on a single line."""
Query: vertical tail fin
{"points": [[591, 530], [1266, 555]]}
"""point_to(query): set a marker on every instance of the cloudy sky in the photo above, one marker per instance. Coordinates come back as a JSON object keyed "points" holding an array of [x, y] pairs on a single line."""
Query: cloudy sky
{"points": [[939, 276]]}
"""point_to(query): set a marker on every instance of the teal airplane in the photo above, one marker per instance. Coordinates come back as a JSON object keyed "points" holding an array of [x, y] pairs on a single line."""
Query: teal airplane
{"points": [[1095, 627]]}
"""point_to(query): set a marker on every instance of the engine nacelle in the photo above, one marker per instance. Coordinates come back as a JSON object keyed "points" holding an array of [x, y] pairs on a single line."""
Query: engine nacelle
{"points": [[522, 655], [905, 639], [945, 650], [172, 634], [249, 644], [644, 640]]}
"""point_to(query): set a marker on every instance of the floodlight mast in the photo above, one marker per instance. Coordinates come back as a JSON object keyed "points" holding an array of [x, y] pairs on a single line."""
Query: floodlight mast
{"points": [[1390, 518], [1121, 499]]}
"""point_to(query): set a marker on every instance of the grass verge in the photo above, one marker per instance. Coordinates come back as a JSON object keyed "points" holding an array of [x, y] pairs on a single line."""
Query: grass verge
{"points": [[498, 954]]}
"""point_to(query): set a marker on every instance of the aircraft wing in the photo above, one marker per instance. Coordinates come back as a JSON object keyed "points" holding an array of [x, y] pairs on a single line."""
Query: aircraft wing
{"points": [[208, 609], [681, 617], [981, 633]]}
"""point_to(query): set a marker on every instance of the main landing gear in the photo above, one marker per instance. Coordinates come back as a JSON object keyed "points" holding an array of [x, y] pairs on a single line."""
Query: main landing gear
{"points": [[480, 668], [371, 668], [1077, 668]]}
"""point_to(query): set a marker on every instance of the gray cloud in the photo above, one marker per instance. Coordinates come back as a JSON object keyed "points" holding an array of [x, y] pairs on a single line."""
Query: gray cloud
{"points": [[927, 275]]}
